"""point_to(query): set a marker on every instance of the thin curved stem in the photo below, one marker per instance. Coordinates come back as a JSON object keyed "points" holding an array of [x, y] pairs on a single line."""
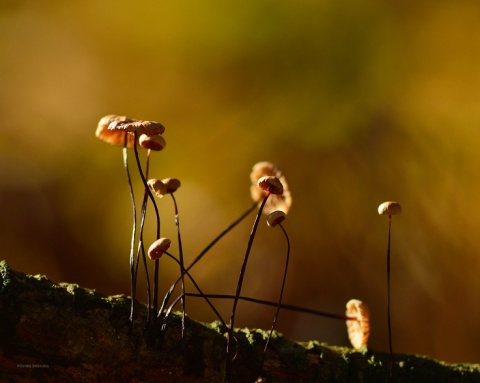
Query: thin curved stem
{"points": [[141, 249], [203, 252], [283, 306], [281, 293], [134, 232], [201, 294], [157, 215], [239, 287], [181, 262], [223, 233]]}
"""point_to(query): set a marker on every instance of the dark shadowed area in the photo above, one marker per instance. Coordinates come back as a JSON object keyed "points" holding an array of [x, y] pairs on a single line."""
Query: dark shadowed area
{"points": [[357, 103]]}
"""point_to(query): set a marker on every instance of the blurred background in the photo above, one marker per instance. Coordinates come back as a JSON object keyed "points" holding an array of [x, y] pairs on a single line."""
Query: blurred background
{"points": [[358, 103]]}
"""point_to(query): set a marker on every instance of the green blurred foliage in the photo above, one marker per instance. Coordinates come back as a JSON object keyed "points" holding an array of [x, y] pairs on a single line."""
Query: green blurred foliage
{"points": [[358, 102]]}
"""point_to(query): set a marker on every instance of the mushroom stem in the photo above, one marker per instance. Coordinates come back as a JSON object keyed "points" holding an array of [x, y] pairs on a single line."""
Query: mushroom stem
{"points": [[223, 233], [182, 296], [181, 262], [390, 342], [141, 250], [389, 208], [281, 293], [275, 304], [148, 194], [203, 252], [134, 233], [239, 285]]}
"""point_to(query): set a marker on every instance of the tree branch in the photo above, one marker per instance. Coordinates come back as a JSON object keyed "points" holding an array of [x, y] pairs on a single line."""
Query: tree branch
{"points": [[63, 332]]}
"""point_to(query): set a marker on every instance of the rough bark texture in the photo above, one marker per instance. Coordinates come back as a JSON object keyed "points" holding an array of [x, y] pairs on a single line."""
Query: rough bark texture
{"points": [[64, 333]]}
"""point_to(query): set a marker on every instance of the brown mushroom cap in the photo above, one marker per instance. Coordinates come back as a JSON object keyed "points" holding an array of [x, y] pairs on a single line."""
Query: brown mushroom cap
{"points": [[114, 137], [389, 208], [172, 184], [275, 218], [155, 143], [150, 128], [271, 184], [158, 187], [358, 329], [158, 248], [282, 201]]}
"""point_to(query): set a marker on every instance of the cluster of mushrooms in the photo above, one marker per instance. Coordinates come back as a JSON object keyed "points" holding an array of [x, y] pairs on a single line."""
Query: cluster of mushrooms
{"points": [[271, 196]]}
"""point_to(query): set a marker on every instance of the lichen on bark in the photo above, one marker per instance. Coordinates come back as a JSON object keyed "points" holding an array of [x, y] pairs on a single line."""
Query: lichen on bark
{"points": [[62, 332]]}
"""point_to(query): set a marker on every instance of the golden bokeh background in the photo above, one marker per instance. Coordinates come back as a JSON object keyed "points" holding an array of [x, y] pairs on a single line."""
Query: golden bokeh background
{"points": [[358, 103]]}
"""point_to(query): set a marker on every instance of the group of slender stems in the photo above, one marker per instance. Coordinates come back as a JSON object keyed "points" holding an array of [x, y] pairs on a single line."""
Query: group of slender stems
{"points": [[163, 312]]}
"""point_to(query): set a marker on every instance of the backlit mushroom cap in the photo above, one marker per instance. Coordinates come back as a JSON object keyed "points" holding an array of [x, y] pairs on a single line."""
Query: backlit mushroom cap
{"points": [[172, 184], [155, 143], [114, 137], [389, 208], [359, 329], [150, 128], [275, 202], [158, 187], [158, 248], [271, 184], [275, 218]]}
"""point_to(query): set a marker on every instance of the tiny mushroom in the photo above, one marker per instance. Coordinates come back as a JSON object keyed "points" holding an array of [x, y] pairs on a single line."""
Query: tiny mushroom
{"points": [[113, 137], [271, 184], [359, 328], [172, 184], [150, 128], [158, 248], [281, 201], [155, 143], [275, 218], [389, 208], [157, 186]]}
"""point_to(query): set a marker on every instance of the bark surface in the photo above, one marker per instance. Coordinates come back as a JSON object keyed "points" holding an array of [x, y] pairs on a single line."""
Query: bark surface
{"points": [[65, 333]]}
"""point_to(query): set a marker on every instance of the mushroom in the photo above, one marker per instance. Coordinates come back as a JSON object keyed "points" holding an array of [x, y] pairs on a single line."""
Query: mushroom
{"points": [[114, 137], [358, 328], [158, 187], [172, 184], [267, 184], [275, 219], [155, 143], [271, 184], [281, 201], [121, 130], [389, 208], [122, 138], [145, 129], [158, 248]]}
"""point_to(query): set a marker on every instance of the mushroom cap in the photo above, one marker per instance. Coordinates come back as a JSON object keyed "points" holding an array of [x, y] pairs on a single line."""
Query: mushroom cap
{"points": [[157, 186], [155, 143], [158, 248], [150, 128], [389, 208], [358, 329], [114, 137], [275, 218], [282, 201], [271, 184], [172, 184]]}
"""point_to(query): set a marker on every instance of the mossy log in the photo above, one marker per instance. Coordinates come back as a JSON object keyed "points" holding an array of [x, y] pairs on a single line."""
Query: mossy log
{"points": [[65, 333]]}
